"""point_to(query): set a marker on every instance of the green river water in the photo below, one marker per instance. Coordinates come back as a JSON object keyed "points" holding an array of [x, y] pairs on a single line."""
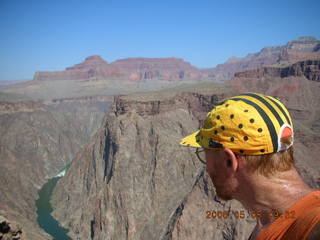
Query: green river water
{"points": [[44, 209]]}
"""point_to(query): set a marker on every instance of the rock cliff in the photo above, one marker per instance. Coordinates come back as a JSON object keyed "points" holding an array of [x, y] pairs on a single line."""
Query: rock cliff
{"points": [[133, 175], [308, 68], [162, 68]]}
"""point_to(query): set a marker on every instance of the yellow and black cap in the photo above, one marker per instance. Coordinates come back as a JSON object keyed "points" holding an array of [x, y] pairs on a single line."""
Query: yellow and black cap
{"points": [[251, 124]]}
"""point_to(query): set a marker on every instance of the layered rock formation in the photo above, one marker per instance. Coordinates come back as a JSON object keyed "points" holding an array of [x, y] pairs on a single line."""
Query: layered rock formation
{"points": [[308, 68], [37, 140], [131, 69], [133, 181], [93, 67], [161, 68], [301, 49]]}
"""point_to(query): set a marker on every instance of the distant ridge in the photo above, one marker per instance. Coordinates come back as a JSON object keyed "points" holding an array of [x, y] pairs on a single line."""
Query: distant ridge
{"points": [[297, 50], [176, 69]]}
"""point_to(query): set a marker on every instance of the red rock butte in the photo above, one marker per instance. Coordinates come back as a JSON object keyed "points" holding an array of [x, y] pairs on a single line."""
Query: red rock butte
{"points": [[94, 67]]}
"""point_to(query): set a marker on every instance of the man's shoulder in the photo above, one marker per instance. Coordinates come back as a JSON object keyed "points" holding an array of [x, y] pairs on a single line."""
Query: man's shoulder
{"points": [[301, 219], [315, 233], [307, 225]]}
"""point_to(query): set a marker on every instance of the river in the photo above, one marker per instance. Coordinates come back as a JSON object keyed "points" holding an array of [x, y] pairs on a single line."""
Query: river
{"points": [[44, 209]]}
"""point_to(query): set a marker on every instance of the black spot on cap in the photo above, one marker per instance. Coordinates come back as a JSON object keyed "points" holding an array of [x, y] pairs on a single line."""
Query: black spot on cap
{"points": [[222, 127], [227, 105], [262, 150], [241, 151], [214, 144], [232, 139], [246, 110], [245, 138], [252, 120], [232, 116], [240, 125], [218, 117], [259, 129], [215, 131]]}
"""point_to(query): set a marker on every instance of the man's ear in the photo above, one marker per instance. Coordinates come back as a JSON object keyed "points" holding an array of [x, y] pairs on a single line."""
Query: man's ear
{"points": [[231, 159]]}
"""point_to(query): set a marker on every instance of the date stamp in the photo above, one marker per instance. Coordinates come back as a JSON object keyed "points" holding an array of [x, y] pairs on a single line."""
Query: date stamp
{"points": [[243, 214]]}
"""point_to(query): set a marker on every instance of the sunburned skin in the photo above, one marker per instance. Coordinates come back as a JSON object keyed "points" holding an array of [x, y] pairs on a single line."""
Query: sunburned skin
{"points": [[255, 191], [291, 187]]}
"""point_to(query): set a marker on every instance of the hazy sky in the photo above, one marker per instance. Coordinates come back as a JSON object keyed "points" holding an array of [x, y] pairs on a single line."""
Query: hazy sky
{"points": [[48, 35]]}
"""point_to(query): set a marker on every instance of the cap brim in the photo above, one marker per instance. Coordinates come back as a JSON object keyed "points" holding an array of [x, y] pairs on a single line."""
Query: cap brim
{"points": [[190, 141]]}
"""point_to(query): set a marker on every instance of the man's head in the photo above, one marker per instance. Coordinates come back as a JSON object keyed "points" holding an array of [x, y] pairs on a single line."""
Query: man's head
{"points": [[246, 133]]}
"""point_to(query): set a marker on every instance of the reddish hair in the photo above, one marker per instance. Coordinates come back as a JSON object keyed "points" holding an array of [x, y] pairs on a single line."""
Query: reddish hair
{"points": [[274, 162]]}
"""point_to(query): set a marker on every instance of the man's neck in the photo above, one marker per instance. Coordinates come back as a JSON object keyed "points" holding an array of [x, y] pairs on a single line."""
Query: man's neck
{"points": [[271, 196]]}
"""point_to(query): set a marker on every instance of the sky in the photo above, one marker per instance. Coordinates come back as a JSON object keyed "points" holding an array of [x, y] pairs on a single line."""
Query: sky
{"points": [[50, 35]]}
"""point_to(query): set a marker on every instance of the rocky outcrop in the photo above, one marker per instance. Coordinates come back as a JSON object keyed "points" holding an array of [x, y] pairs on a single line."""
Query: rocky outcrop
{"points": [[303, 44], [10, 230], [308, 68], [290, 56]]}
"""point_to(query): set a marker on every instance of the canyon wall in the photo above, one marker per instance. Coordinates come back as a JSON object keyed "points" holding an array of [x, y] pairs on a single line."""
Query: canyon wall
{"points": [[130, 180], [37, 140], [308, 68]]}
